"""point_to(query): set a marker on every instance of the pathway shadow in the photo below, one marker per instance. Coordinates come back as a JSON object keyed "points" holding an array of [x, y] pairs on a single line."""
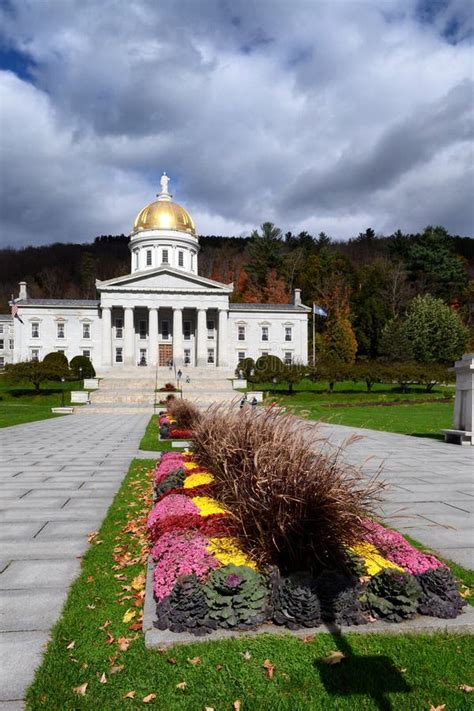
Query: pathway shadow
{"points": [[374, 676]]}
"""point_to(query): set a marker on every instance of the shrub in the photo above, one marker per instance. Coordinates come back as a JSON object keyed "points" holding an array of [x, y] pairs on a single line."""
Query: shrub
{"points": [[247, 365], [168, 388], [236, 596], [184, 412], [80, 365], [34, 372], [392, 595], [57, 360], [185, 609], [268, 367], [291, 505]]}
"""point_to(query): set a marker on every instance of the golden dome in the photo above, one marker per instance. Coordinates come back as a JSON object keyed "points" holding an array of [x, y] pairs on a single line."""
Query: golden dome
{"points": [[164, 215]]}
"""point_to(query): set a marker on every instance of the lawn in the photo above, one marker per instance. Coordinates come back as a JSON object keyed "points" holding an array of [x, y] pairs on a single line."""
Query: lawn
{"points": [[385, 408], [20, 403], [150, 441], [96, 660]]}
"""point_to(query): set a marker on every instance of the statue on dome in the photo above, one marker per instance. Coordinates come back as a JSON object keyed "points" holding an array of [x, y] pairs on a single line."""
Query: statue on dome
{"points": [[164, 183]]}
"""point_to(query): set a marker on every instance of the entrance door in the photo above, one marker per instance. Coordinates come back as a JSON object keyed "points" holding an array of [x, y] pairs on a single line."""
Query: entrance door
{"points": [[165, 353]]}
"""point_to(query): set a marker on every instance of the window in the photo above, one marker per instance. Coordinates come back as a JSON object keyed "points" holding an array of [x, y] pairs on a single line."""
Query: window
{"points": [[264, 353], [136, 259], [60, 350], [2, 344], [187, 330], [181, 259], [60, 330], [288, 358], [210, 329], [240, 356], [241, 333], [148, 257], [86, 330], [12, 344], [34, 354], [118, 328], [86, 353], [118, 355], [288, 333], [192, 261], [187, 356], [1, 329], [164, 256], [142, 360], [264, 333], [2, 361], [210, 355], [165, 330], [142, 329], [35, 330]]}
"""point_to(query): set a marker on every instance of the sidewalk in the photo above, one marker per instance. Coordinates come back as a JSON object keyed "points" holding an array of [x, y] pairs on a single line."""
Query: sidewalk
{"points": [[57, 479], [431, 486]]}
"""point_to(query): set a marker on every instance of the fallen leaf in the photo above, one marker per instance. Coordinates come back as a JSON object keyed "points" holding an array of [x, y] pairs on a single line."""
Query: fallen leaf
{"points": [[171, 660], [147, 699], [136, 626], [106, 624], [103, 678], [466, 688], [117, 668], [209, 708], [194, 661], [110, 638], [403, 670], [309, 638], [129, 615], [130, 695], [246, 655], [437, 708], [91, 536], [333, 658], [219, 667], [81, 690], [269, 667], [139, 581], [91, 607], [71, 645], [181, 685], [236, 705], [90, 579], [123, 643]]}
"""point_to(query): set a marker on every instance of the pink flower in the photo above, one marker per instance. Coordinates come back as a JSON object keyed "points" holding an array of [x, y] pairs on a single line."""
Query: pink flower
{"points": [[166, 465], [395, 548], [174, 505]]}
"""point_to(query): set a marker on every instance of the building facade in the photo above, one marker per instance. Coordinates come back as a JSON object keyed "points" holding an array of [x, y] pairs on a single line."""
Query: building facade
{"points": [[162, 311], [7, 340]]}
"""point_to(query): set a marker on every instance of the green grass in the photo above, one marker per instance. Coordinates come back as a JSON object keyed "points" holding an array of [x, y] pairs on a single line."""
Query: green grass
{"points": [[20, 403], [385, 408], [150, 441], [401, 673]]}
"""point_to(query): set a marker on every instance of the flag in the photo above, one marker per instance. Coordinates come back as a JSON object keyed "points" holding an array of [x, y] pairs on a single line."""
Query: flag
{"points": [[14, 309], [319, 311]]}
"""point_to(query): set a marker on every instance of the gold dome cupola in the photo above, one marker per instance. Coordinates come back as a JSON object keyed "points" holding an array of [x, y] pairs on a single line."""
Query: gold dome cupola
{"points": [[163, 214]]}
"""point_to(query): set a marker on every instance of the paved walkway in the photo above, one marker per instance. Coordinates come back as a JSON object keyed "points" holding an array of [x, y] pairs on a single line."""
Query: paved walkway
{"points": [[431, 486], [57, 480]]}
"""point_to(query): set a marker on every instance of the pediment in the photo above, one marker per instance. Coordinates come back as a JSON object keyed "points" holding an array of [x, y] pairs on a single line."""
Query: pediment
{"points": [[163, 279]]}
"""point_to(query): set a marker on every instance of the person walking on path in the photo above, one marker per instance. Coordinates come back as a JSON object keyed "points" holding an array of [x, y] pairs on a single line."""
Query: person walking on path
{"points": [[254, 403], [243, 401], [179, 375]]}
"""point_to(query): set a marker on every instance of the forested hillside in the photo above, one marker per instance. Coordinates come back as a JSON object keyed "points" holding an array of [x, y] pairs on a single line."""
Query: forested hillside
{"points": [[363, 283]]}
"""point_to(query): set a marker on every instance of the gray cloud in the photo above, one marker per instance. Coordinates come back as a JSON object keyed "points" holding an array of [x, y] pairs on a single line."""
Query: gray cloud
{"points": [[316, 115]]}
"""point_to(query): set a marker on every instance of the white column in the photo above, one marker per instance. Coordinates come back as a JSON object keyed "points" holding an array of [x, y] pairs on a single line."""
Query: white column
{"points": [[222, 339], [201, 334], [178, 337], [129, 337], [106, 335], [152, 336]]}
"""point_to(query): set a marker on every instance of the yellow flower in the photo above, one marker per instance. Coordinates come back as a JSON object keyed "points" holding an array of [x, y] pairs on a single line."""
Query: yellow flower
{"points": [[197, 480], [191, 465], [374, 562], [208, 506], [227, 552]]}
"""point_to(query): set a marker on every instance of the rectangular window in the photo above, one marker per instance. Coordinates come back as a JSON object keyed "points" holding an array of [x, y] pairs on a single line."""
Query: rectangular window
{"points": [[264, 353], [288, 358], [264, 333], [192, 261], [181, 259], [136, 260], [288, 333], [142, 360], [210, 329], [118, 328], [60, 350], [148, 257], [241, 335], [241, 356], [165, 330], [118, 355], [86, 330], [187, 356], [34, 354], [2, 344], [86, 353], [1, 329], [2, 361], [142, 329], [187, 330], [35, 330], [12, 344], [60, 333], [210, 355], [164, 256]]}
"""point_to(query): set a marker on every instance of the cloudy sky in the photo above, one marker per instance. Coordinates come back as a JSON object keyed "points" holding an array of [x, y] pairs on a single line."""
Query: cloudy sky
{"points": [[329, 115]]}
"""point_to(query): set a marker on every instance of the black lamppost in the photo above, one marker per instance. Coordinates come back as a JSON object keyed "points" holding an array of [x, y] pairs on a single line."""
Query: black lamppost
{"points": [[80, 373], [63, 379]]}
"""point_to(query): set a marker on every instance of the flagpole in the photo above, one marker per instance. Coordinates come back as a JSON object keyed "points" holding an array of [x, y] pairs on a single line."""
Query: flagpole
{"points": [[314, 338]]}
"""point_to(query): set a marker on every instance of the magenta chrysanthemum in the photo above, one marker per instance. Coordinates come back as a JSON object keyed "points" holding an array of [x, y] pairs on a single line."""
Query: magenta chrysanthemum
{"points": [[395, 548], [171, 506]]}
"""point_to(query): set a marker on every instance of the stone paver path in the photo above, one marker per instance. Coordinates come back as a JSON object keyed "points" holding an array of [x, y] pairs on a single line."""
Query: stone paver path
{"points": [[57, 480], [431, 486]]}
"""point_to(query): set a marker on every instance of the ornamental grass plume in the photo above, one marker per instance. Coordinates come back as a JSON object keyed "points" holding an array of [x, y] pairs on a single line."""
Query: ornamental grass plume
{"points": [[184, 412], [292, 507]]}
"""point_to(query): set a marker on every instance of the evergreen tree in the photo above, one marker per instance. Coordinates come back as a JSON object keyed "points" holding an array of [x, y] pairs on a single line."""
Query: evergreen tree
{"points": [[265, 253], [436, 332]]}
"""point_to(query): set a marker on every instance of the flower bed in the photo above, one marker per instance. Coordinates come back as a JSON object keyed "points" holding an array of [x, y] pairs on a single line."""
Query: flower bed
{"points": [[203, 580], [169, 428]]}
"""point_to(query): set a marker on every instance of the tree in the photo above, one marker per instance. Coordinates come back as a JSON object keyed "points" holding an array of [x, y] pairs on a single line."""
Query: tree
{"points": [[34, 372], [292, 373], [395, 343], [265, 253], [436, 332], [82, 367], [275, 290], [431, 260], [87, 272], [57, 359]]}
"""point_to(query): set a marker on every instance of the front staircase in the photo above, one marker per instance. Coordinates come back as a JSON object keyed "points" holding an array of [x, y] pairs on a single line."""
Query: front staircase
{"points": [[131, 390]]}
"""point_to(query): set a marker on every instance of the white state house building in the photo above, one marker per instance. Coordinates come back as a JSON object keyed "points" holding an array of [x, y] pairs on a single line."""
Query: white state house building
{"points": [[162, 311]]}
